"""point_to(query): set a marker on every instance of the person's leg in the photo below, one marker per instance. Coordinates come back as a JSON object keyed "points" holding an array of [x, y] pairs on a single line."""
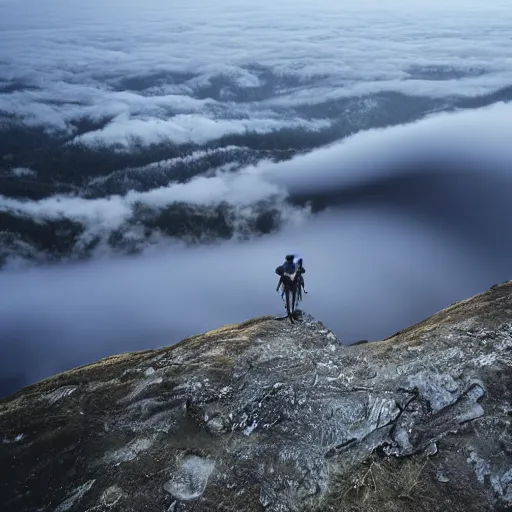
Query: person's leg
{"points": [[287, 295], [302, 284]]}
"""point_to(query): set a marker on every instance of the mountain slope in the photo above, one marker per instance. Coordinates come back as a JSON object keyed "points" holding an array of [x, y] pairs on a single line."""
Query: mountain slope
{"points": [[272, 416]]}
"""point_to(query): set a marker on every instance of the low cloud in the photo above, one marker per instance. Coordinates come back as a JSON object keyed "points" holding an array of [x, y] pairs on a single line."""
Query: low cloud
{"points": [[102, 216], [186, 128], [369, 273], [467, 142], [417, 218], [21, 172], [411, 218], [472, 139], [64, 62]]}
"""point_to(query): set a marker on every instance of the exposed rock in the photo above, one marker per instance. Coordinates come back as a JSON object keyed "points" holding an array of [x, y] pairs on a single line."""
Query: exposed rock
{"points": [[72, 501], [269, 415], [190, 478]]}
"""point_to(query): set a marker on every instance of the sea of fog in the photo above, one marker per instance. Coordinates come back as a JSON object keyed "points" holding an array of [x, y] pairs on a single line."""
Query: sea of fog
{"points": [[158, 160]]}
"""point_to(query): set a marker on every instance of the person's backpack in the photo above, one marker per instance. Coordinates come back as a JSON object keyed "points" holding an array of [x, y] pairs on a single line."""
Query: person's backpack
{"points": [[289, 267], [290, 272]]}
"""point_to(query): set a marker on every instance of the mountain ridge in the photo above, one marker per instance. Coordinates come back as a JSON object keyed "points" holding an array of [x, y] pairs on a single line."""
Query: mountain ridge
{"points": [[266, 415]]}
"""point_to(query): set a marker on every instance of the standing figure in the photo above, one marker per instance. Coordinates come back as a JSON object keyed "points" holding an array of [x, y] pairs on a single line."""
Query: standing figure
{"points": [[292, 282]]}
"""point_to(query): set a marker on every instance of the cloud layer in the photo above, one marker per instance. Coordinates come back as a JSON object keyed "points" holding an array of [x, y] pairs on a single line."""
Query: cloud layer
{"points": [[417, 218], [197, 70], [393, 223], [467, 142]]}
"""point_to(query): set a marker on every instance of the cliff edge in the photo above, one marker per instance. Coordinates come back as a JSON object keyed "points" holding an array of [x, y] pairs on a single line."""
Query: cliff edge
{"points": [[273, 416]]}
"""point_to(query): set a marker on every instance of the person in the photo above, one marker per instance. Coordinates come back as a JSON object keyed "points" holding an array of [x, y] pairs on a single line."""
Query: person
{"points": [[288, 269], [301, 270]]}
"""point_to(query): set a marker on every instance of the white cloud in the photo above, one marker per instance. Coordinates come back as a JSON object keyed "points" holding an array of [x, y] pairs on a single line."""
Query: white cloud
{"points": [[371, 269], [185, 128], [99, 215], [377, 275], [22, 172], [475, 139], [391, 269], [103, 215], [74, 52]]}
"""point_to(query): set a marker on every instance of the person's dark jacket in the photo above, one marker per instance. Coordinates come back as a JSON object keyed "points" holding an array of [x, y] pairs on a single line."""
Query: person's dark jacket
{"points": [[285, 268]]}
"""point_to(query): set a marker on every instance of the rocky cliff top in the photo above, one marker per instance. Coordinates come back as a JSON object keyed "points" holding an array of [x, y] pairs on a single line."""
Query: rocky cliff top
{"points": [[273, 416]]}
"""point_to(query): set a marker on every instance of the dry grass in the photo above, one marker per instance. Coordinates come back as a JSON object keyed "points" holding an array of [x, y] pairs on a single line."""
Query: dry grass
{"points": [[488, 303], [114, 365], [407, 484], [383, 485], [223, 362], [378, 479]]}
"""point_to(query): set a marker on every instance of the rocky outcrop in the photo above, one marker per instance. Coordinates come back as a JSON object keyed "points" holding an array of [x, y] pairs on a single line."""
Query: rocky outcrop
{"points": [[273, 416]]}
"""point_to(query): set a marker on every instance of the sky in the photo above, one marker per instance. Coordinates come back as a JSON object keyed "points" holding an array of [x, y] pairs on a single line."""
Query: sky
{"points": [[415, 214]]}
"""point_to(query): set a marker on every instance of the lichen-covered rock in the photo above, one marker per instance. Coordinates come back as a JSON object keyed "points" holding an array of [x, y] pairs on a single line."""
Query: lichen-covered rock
{"points": [[273, 416]]}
